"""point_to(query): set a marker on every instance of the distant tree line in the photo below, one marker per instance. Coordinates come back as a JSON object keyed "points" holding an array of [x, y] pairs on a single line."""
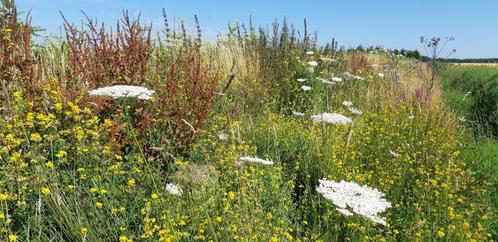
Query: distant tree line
{"points": [[415, 54], [470, 60]]}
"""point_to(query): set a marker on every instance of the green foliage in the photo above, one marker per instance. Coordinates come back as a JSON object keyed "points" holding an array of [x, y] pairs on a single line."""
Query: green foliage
{"points": [[473, 93]]}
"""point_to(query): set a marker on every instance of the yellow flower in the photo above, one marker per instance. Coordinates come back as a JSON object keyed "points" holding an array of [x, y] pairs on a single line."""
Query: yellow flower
{"points": [[35, 137], [2, 215], [99, 205], [131, 183], [58, 107], [45, 191], [4, 196], [273, 239], [218, 219], [231, 195], [12, 237], [107, 123], [466, 224], [17, 95], [70, 187], [93, 190], [440, 234], [288, 236], [50, 165], [103, 191], [154, 196], [61, 154], [83, 230], [123, 238]]}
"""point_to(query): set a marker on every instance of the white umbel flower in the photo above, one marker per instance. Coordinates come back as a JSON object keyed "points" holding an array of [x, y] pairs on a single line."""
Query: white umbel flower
{"points": [[344, 211], [301, 80], [174, 189], [355, 111], [306, 88], [255, 160], [336, 79], [325, 59], [331, 118], [310, 53], [313, 63], [297, 113], [325, 81], [123, 91], [381, 75], [362, 200], [347, 104], [222, 135], [395, 154], [351, 76]]}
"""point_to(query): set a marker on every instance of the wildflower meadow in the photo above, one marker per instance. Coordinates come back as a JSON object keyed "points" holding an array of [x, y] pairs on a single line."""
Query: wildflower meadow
{"points": [[260, 135]]}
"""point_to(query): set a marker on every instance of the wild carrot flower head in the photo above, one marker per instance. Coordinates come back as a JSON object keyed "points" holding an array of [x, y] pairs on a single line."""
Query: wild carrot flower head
{"points": [[355, 111], [123, 91], [174, 189], [326, 59], [347, 103], [331, 118], [362, 200], [297, 113], [313, 63], [351, 76], [393, 153], [336, 79], [323, 80], [254, 160], [306, 88]]}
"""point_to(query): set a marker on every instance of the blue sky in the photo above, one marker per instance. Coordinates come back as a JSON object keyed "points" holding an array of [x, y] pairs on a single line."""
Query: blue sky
{"points": [[390, 23]]}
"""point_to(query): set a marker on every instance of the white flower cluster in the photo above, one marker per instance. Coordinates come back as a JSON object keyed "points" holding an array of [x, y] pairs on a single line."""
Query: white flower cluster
{"points": [[306, 88], [332, 81], [336, 79], [174, 189], [123, 91], [301, 80], [349, 106], [331, 118], [351, 76], [312, 63], [355, 111], [254, 160], [325, 59], [362, 200], [297, 113], [395, 154]]}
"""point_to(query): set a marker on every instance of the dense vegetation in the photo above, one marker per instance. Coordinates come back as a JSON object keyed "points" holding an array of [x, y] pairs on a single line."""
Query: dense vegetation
{"points": [[77, 167], [471, 91]]}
